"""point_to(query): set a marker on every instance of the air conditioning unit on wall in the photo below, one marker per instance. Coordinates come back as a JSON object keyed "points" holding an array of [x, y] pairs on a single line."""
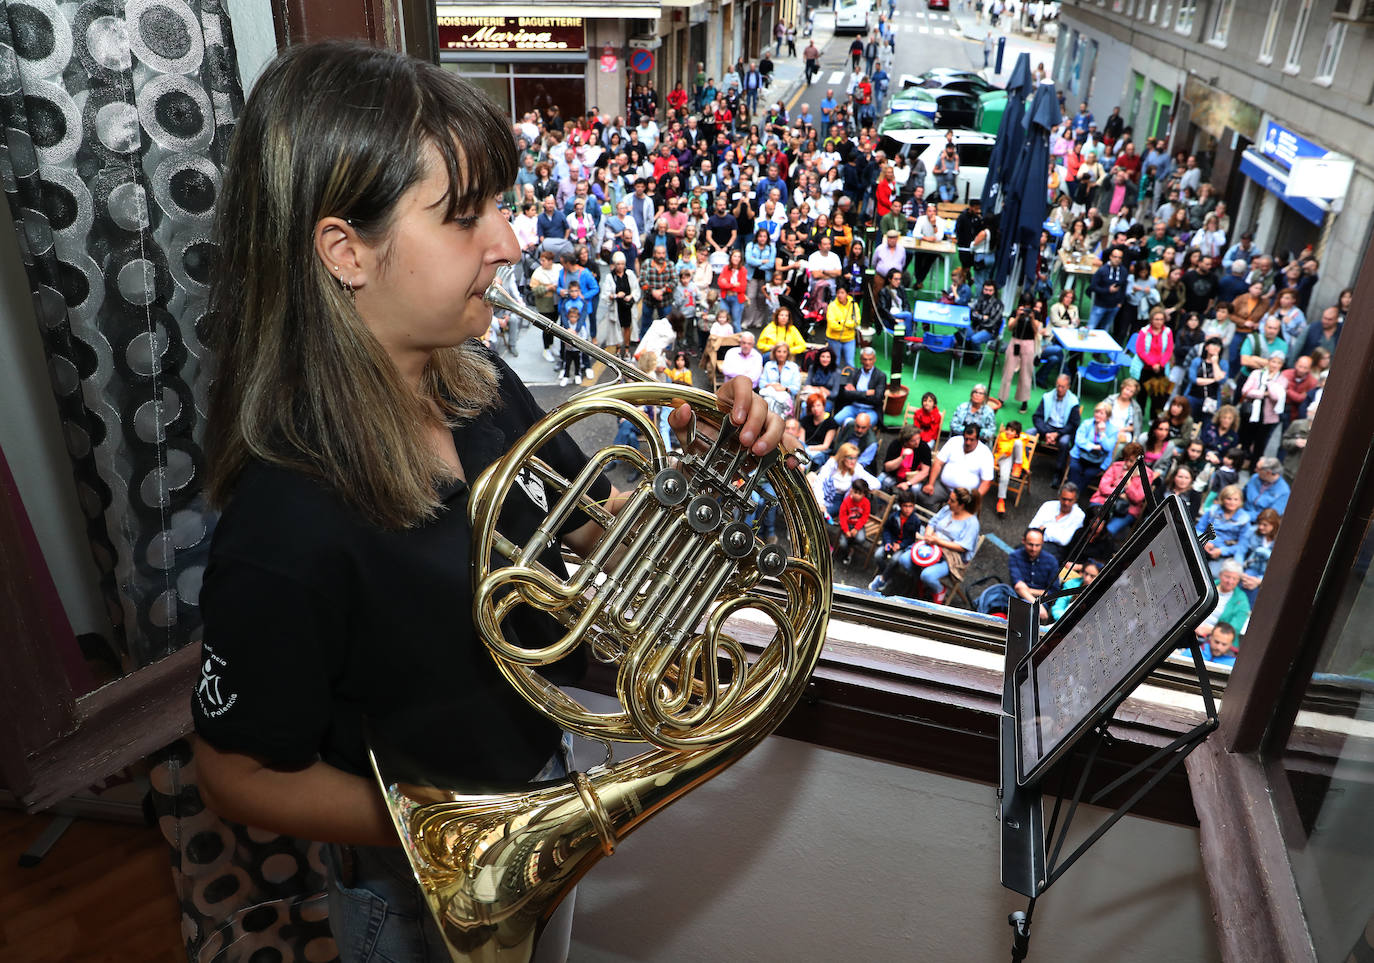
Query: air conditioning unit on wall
{"points": [[1356, 11]]}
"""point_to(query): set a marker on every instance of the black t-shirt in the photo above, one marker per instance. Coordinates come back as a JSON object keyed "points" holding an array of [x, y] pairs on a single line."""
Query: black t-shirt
{"points": [[1198, 290], [719, 227], [321, 627], [815, 433], [920, 455]]}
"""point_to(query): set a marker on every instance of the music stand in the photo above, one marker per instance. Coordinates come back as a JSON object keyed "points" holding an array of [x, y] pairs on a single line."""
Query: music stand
{"points": [[1060, 692]]}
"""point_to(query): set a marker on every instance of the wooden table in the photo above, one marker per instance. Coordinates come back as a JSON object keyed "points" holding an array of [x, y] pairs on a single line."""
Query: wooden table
{"points": [[944, 250], [1072, 271]]}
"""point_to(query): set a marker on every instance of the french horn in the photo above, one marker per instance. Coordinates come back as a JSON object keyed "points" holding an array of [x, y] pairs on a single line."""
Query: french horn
{"points": [[653, 598]]}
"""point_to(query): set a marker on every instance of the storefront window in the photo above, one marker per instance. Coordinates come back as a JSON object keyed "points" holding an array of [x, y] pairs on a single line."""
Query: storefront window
{"points": [[542, 93], [521, 87], [1328, 759]]}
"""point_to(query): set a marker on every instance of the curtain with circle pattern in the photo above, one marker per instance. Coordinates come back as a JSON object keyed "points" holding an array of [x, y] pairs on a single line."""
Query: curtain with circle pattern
{"points": [[116, 116]]}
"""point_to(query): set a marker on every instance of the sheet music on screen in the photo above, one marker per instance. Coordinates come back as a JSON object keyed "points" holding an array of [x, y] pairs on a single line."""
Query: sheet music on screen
{"points": [[1089, 654]]}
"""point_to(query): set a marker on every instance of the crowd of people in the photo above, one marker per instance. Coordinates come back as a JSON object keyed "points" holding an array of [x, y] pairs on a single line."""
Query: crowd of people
{"points": [[725, 235]]}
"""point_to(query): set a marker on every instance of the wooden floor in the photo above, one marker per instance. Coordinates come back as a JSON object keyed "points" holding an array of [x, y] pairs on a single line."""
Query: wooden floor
{"points": [[103, 893]]}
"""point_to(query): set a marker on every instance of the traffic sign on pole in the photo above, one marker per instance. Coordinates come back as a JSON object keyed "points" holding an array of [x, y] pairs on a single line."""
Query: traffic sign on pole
{"points": [[642, 61]]}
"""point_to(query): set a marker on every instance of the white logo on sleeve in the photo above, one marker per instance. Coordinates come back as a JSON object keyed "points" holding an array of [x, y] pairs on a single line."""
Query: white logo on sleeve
{"points": [[534, 488], [215, 700]]}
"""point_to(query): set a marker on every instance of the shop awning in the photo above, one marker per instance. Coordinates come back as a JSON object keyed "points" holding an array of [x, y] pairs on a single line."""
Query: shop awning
{"points": [[1273, 178], [631, 10], [682, 3]]}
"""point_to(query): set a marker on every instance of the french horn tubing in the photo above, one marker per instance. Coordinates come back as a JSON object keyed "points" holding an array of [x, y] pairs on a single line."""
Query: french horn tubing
{"points": [[653, 599]]}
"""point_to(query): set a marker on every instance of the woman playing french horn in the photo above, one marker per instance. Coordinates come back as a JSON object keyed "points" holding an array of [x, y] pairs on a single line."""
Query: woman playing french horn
{"points": [[351, 405]]}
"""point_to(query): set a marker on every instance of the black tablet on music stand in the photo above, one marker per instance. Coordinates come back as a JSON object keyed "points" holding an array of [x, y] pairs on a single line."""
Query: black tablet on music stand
{"points": [[1142, 606]]}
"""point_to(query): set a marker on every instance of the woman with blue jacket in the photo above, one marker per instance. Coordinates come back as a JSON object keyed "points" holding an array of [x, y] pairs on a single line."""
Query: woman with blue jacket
{"points": [[1230, 523], [1092, 447]]}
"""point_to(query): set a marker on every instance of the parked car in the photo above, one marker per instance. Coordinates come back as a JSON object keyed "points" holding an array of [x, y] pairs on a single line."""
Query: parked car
{"points": [[975, 149], [962, 80], [937, 4], [945, 109], [904, 120], [991, 106]]}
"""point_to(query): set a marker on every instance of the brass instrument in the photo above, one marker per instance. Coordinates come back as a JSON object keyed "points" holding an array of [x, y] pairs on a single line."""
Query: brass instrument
{"points": [[653, 598]]}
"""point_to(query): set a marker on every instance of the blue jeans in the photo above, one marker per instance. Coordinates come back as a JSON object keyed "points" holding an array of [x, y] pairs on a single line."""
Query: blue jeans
{"points": [[849, 412], [736, 309], [930, 575], [1084, 474], [1119, 523], [1102, 317], [649, 313], [381, 914], [844, 351], [1048, 365]]}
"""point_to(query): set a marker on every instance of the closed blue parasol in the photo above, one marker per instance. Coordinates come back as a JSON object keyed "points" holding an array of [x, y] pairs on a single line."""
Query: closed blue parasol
{"points": [[1025, 204], [1010, 135]]}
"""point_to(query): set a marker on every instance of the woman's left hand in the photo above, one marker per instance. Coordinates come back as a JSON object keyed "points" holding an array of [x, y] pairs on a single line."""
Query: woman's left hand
{"points": [[760, 430]]}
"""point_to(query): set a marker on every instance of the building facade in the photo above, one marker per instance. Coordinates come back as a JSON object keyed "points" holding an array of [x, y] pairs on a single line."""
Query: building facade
{"points": [[1251, 88], [579, 55]]}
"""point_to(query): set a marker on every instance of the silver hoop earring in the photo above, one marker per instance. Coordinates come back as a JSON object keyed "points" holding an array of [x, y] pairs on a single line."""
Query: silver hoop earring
{"points": [[348, 289]]}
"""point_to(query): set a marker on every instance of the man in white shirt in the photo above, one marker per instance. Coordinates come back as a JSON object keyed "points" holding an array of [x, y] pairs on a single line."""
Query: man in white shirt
{"points": [[648, 133], [889, 255], [743, 360], [963, 462], [824, 265], [1060, 519]]}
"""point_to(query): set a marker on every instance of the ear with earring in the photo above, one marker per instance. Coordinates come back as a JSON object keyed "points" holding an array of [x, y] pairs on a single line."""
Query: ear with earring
{"points": [[348, 288]]}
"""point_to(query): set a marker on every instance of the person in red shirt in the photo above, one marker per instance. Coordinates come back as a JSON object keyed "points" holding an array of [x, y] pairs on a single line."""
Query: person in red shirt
{"points": [[1129, 161], [854, 512], [1301, 382], [928, 418], [883, 196], [677, 97]]}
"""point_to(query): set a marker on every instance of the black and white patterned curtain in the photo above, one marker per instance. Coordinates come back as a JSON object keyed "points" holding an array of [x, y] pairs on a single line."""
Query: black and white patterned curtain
{"points": [[115, 117]]}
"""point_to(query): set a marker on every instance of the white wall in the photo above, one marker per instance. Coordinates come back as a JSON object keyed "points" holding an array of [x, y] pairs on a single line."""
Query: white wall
{"points": [[255, 38], [31, 438], [803, 854]]}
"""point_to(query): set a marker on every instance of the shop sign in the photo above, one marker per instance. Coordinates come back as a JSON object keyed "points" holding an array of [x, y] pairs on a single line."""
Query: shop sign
{"points": [[512, 33], [1284, 146], [608, 59]]}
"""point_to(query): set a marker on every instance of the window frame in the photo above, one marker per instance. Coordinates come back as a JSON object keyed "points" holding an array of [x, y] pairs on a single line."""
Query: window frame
{"points": [[1239, 789], [1270, 38], [1292, 63], [1220, 30], [1330, 56], [1185, 18]]}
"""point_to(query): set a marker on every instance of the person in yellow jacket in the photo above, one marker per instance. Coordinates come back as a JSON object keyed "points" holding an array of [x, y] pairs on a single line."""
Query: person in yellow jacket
{"points": [[1011, 455], [842, 325], [781, 330]]}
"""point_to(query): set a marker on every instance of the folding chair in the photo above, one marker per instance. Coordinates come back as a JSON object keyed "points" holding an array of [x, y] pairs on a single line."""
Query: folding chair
{"points": [[1098, 372], [1019, 484], [955, 586], [937, 344]]}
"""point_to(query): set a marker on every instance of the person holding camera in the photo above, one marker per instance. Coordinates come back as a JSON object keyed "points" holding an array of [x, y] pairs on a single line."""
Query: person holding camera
{"points": [[1021, 348]]}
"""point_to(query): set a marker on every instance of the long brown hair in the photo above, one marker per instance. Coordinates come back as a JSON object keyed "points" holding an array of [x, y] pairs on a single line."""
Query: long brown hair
{"points": [[339, 130]]}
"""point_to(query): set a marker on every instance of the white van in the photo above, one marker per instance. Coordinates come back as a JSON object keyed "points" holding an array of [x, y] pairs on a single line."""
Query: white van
{"points": [[851, 16], [975, 149]]}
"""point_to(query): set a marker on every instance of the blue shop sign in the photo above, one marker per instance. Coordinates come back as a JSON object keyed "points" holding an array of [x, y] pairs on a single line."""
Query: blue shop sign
{"points": [[1273, 178], [1281, 144]]}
